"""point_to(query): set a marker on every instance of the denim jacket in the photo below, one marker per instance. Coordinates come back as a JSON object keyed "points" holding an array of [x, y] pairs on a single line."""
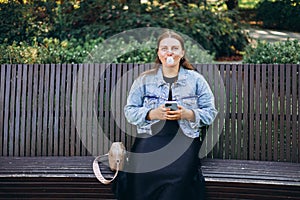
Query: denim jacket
{"points": [[190, 90]]}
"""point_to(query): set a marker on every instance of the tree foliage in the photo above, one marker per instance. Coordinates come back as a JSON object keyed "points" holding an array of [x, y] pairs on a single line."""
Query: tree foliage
{"points": [[31, 23], [280, 14]]}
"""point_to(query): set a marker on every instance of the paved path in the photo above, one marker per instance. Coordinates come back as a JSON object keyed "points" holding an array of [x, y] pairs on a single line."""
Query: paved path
{"points": [[272, 35], [268, 35]]}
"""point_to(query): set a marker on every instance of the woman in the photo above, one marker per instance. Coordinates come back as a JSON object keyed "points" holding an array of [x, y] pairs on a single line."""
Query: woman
{"points": [[167, 131]]}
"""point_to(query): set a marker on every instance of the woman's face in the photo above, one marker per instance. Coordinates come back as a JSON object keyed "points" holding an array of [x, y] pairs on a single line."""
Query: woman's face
{"points": [[170, 47]]}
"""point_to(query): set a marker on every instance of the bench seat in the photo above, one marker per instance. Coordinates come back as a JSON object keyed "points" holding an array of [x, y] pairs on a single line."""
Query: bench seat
{"points": [[50, 178], [248, 179], [72, 177]]}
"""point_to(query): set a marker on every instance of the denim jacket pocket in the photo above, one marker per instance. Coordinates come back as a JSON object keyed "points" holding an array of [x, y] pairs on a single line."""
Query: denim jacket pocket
{"points": [[150, 101], [190, 102]]}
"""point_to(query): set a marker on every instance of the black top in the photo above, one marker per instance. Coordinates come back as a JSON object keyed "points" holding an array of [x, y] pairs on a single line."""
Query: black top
{"points": [[170, 81], [167, 127]]}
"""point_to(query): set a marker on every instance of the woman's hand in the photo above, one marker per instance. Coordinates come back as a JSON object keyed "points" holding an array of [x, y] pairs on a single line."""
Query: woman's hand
{"points": [[187, 113], [162, 113], [181, 113], [159, 113]]}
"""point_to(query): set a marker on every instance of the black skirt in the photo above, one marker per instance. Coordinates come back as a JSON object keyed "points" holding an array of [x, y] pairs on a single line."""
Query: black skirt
{"points": [[173, 177]]}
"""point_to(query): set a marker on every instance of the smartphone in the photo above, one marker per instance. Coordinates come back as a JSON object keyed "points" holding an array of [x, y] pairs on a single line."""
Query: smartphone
{"points": [[171, 104]]}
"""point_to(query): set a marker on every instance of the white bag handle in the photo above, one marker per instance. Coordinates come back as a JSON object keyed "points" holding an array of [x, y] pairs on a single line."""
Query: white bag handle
{"points": [[98, 173]]}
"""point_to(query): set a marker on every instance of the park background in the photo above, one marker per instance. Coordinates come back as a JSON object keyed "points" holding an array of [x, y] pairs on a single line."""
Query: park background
{"points": [[45, 149], [67, 31]]}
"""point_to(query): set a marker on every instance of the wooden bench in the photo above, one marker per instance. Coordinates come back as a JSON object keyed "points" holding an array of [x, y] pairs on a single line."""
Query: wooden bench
{"points": [[46, 147]]}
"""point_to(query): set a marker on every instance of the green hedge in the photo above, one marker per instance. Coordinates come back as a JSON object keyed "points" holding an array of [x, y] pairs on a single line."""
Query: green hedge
{"points": [[69, 51], [50, 50], [283, 52]]}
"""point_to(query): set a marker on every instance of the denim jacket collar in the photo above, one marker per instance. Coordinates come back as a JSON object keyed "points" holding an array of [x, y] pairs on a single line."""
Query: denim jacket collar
{"points": [[182, 77]]}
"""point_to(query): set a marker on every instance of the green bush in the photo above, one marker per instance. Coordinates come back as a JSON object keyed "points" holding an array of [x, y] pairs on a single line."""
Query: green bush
{"points": [[282, 14], [92, 51], [283, 52], [50, 50], [26, 22]]}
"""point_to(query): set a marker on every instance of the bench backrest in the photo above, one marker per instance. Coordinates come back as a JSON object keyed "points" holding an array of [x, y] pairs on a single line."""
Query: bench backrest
{"points": [[76, 110]]}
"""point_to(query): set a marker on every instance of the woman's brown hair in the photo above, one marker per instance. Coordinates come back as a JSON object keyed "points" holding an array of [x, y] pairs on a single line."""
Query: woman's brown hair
{"points": [[171, 34]]}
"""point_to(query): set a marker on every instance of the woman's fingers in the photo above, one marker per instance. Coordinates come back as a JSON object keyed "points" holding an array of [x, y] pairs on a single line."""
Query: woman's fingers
{"points": [[173, 115], [163, 113]]}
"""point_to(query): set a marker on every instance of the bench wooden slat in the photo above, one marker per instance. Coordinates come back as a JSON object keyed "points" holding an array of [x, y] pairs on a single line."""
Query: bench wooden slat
{"points": [[62, 96], [118, 104], [294, 111], [27, 98], [2, 92], [11, 110], [101, 104], [233, 134], [256, 142], [68, 118], [83, 105], [77, 105], [112, 111], [269, 128], [282, 111], [18, 110], [251, 111], [106, 110], [45, 106], [95, 140], [246, 112], [288, 113], [90, 111], [239, 108], [22, 141], [79, 116], [264, 107], [56, 127], [40, 96], [275, 102], [222, 99], [227, 116], [50, 103], [34, 107], [6, 111], [217, 88], [210, 74]]}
